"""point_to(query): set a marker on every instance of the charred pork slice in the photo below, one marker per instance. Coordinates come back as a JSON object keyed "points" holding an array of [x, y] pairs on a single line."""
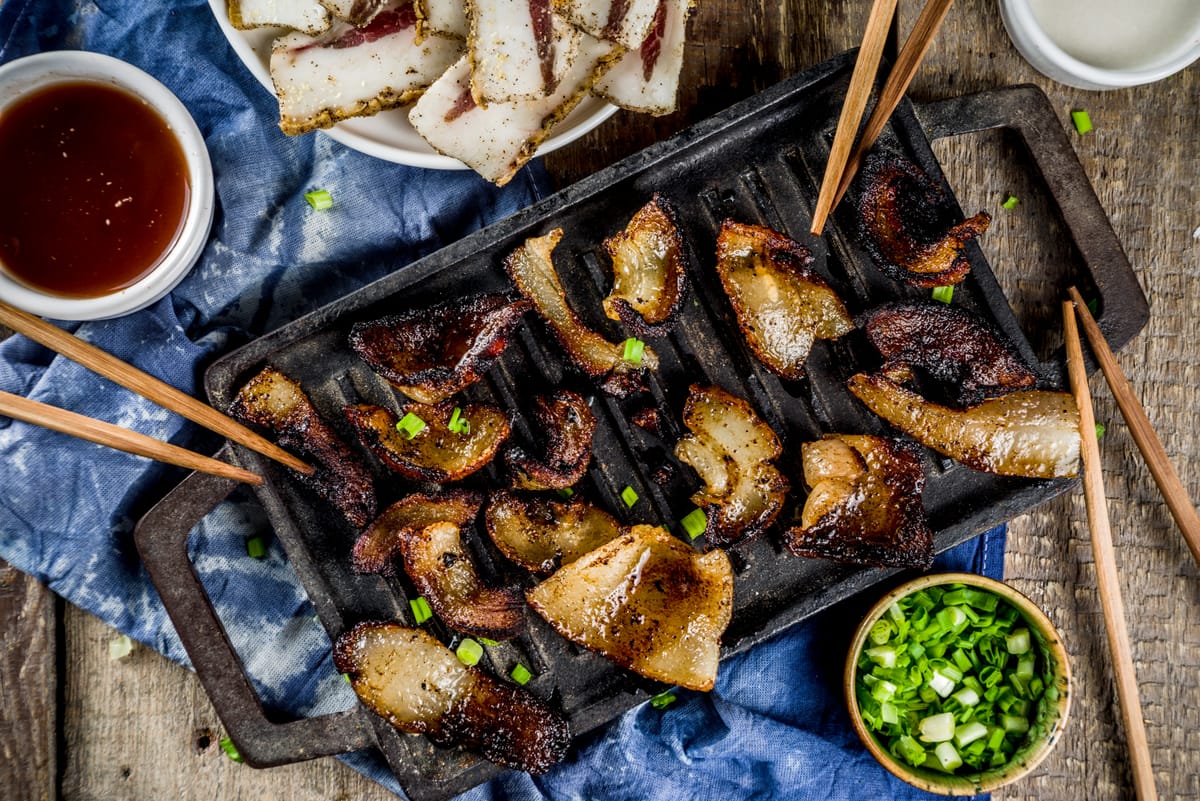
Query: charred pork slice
{"points": [[443, 17], [273, 401], [649, 272], [647, 602], [433, 453], [864, 504], [519, 50], [308, 16], [908, 226], [377, 547], [419, 686], [626, 22], [431, 353], [355, 72], [568, 425], [782, 307], [733, 451], [646, 79], [542, 535], [952, 345], [1029, 433]]}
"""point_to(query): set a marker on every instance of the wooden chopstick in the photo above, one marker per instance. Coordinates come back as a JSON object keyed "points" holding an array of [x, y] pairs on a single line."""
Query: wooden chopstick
{"points": [[142, 383], [77, 425], [865, 66], [1106, 567], [1143, 432], [910, 57]]}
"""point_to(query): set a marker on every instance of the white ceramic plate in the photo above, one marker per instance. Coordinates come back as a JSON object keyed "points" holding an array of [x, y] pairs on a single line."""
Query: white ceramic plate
{"points": [[388, 135]]}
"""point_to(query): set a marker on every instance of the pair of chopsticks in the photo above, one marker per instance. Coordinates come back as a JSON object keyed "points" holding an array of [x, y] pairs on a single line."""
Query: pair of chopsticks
{"points": [[143, 384], [843, 163]]}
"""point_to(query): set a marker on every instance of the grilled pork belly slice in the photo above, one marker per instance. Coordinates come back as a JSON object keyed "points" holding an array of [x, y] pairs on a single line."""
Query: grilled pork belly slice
{"points": [[626, 22], [356, 12], [1028, 433], [542, 535], [435, 453], [647, 602], [431, 353], [273, 401], [953, 345], [531, 268], [732, 450], [864, 504], [782, 307], [518, 50], [444, 17], [649, 276], [646, 79], [568, 424], [442, 571], [909, 228], [419, 686], [308, 16], [377, 547], [355, 72], [496, 141]]}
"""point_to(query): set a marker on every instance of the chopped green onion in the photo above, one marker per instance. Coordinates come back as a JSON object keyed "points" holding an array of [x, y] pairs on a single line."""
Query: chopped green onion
{"points": [[694, 523], [967, 696], [120, 647], [911, 751], [420, 609], [319, 199], [520, 674], [937, 728], [230, 749], [256, 547], [884, 656], [969, 732], [941, 684], [947, 757], [888, 713], [458, 424], [943, 293], [1100, 429], [346, 677], [488, 643], [1018, 641], [565, 493], [634, 348], [663, 700], [469, 652], [881, 632], [410, 425], [1082, 120], [1015, 723], [1010, 202], [629, 496], [1093, 306]]}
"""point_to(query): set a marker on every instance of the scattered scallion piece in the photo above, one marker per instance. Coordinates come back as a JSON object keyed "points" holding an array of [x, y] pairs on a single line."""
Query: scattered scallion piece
{"points": [[420, 609], [488, 643], [663, 700], [1082, 120], [410, 425], [1010, 202], [629, 495], [694, 523], [520, 674], [943, 293], [319, 199], [256, 547], [458, 424], [1100, 429], [120, 647], [469, 652], [230, 749], [346, 677], [633, 351], [565, 493]]}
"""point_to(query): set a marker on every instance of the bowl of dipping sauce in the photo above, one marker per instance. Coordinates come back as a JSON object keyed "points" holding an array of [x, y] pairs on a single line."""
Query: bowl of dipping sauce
{"points": [[109, 197], [1104, 44], [957, 684]]}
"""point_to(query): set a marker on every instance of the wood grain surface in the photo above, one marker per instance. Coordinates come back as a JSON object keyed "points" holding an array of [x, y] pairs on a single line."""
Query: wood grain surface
{"points": [[141, 728]]}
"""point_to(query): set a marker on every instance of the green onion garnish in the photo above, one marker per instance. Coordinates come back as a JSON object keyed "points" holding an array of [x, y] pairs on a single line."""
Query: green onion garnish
{"points": [[694, 523], [469, 652], [230, 749], [943, 293], [420, 609], [1082, 120], [256, 547], [663, 700], [629, 496], [346, 677], [458, 424], [565, 493], [319, 199], [488, 643], [120, 647], [520, 674], [1100, 429], [1010, 202], [410, 425], [633, 351]]}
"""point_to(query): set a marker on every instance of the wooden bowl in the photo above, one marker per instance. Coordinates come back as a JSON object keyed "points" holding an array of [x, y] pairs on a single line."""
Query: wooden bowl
{"points": [[1044, 731]]}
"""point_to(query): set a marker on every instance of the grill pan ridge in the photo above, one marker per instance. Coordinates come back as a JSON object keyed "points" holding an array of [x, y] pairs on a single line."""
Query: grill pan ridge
{"points": [[759, 162]]}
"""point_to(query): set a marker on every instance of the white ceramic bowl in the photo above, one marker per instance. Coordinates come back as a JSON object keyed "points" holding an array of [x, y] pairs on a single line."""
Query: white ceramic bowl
{"points": [[1050, 59], [44, 69]]}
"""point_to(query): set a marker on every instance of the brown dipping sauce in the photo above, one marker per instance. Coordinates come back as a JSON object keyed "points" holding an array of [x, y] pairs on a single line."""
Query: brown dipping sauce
{"points": [[95, 189]]}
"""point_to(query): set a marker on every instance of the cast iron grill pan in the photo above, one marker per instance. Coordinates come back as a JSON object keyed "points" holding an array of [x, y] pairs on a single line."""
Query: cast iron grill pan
{"points": [[759, 162]]}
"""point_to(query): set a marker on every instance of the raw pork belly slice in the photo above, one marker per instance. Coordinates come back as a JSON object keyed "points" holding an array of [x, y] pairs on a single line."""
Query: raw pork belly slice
{"points": [[445, 17], [625, 22], [519, 50], [302, 15], [646, 79]]}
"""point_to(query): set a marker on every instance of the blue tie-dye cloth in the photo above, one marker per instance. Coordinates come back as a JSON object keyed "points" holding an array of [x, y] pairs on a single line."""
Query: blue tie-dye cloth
{"points": [[774, 727]]}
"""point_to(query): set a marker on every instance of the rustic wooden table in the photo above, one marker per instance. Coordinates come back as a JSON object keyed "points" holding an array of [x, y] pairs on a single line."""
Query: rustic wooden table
{"points": [[76, 725]]}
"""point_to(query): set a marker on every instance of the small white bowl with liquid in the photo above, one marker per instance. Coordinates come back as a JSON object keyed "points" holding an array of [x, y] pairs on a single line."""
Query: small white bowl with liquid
{"points": [[1105, 44]]}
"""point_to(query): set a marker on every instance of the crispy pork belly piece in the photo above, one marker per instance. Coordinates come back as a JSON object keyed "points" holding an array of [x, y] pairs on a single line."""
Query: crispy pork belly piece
{"points": [[419, 686], [953, 345], [443, 17], [531, 268], [732, 450], [646, 79], [542, 535], [377, 547], [355, 72], [308, 16], [647, 602], [431, 353], [273, 401], [782, 307], [909, 228], [1028, 433], [443, 573], [626, 22], [568, 425], [519, 50], [435, 453], [864, 504], [649, 274], [496, 141]]}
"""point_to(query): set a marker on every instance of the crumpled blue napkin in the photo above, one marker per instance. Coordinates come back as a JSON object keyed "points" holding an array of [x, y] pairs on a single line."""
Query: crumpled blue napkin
{"points": [[774, 727]]}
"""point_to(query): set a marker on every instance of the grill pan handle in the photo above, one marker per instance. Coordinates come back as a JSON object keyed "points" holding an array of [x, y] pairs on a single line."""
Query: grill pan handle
{"points": [[1025, 110], [161, 537]]}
